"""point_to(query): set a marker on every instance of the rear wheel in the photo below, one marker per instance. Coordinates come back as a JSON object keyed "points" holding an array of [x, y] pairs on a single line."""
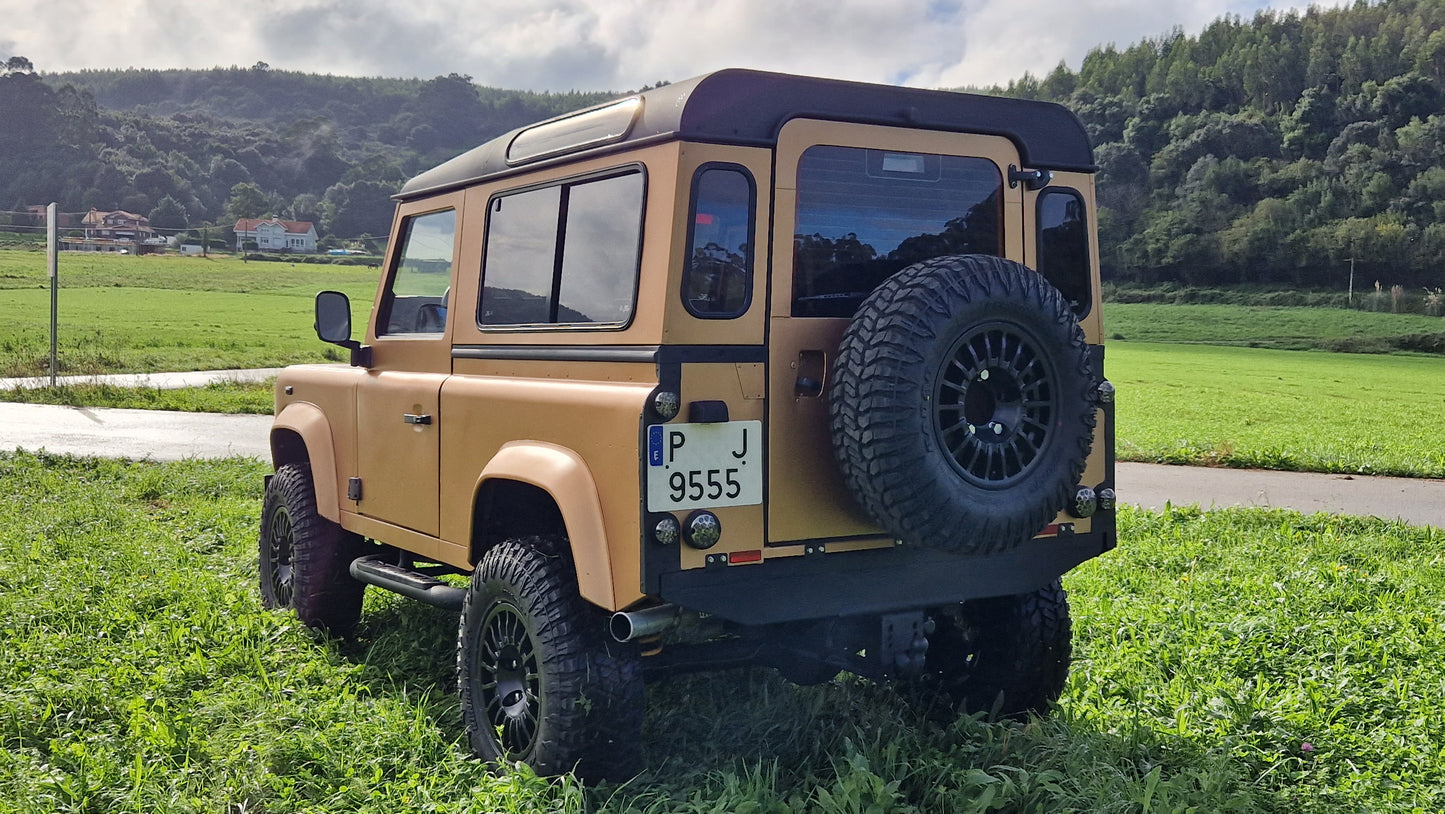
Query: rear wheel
{"points": [[1009, 654], [539, 682], [305, 558]]}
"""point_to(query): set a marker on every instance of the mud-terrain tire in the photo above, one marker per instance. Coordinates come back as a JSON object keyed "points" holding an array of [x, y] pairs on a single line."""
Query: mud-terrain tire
{"points": [[540, 683], [1007, 654], [962, 404], [305, 558]]}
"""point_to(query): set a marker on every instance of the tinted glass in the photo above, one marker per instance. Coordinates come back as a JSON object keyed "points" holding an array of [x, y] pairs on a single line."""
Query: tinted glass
{"points": [[865, 214], [564, 254], [521, 257], [1064, 246], [600, 250], [718, 278], [416, 299]]}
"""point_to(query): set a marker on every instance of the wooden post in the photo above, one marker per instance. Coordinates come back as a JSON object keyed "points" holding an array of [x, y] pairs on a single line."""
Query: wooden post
{"points": [[52, 215]]}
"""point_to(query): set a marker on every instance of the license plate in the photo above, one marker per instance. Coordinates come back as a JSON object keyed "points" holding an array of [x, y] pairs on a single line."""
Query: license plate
{"points": [[699, 466]]}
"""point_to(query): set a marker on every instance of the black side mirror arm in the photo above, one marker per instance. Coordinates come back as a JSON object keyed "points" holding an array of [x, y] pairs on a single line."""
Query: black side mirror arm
{"points": [[360, 354]]}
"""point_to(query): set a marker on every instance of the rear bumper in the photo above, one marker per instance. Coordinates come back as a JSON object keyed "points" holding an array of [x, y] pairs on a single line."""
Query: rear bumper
{"points": [[878, 581]]}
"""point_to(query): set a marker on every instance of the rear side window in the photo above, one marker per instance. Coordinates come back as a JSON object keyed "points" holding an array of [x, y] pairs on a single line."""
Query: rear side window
{"points": [[564, 255], [717, 279], [865, 214], [416, 297], [1064, 246]]}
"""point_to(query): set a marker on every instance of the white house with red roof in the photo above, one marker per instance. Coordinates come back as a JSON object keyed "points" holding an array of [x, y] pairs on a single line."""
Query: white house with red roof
{"points": [[276, 235]]}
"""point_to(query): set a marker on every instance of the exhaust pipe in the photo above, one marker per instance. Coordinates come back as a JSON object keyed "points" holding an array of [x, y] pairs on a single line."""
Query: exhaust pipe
{"points": [[627, 626]]}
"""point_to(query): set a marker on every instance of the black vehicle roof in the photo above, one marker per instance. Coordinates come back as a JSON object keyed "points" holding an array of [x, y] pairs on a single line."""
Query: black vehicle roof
{"points": [[748, 107]]}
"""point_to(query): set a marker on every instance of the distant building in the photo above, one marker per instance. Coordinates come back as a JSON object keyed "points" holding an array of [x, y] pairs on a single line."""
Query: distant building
{"points": [[117, 225], [276, 235], [63, 220], [118, 231]]}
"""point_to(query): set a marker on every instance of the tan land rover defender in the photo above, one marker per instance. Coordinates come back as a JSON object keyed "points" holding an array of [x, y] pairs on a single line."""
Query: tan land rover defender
{"points": [[751, 368]]}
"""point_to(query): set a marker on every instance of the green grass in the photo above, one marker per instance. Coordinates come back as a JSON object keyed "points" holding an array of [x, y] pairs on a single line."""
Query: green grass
{"points": [[26, 270], [1321, 412], [220, 397], [121, 314], [1258, 326], [139, 674], [1179, 403]]}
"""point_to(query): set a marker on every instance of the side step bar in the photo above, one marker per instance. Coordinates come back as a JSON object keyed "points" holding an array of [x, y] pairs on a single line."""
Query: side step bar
{"points": [[373, 571]]}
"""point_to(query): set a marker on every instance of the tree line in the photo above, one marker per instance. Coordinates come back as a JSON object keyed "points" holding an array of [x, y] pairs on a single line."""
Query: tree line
{"points": [[192, 148], [1270, 151], [1276, 150]]}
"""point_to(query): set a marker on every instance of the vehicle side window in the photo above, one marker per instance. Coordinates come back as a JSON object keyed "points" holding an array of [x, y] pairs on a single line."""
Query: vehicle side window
{"points": [[717, 279], [521, 254], [865, 214], [416, 297], [564, 255], [1064, 246]]}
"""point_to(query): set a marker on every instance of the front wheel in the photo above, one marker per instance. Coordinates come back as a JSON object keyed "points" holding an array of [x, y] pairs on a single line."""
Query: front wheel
{"points": [[540, 683], [305, 558], [1008, 654]]}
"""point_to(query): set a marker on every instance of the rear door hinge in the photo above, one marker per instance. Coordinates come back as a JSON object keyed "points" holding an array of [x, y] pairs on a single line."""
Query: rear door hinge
{"points": [[1033, 179], [353, 489]]}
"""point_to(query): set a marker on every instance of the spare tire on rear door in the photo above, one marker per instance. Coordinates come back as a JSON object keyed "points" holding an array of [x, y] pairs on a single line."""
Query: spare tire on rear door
{"points": [[962, 404]]}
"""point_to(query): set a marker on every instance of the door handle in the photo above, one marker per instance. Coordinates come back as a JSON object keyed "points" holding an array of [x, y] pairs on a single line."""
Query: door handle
{"points": [[413, 418]]}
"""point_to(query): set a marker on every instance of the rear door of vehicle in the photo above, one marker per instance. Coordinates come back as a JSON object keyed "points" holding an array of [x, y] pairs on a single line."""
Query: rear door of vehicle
{"points": [[1062, 245], [859, 202]]}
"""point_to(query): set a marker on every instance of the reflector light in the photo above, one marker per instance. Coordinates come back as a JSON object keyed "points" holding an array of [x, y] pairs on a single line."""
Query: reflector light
{"points": [[702, 529], [745, 556], [667, 530], [1050, 530]]}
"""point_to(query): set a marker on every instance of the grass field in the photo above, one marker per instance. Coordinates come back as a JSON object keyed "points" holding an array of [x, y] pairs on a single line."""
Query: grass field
{"points": [[1240, 661], [1184, 396], [1257, 326], [219, 397], [1270, 409], [1239, 324], [123, 314], [1177, 404], [145, 314]]}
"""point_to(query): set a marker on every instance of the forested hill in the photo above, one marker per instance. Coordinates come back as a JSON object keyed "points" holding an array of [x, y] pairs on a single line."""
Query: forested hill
{"points": [[194, 147], [1269, 150], [449, 110]]}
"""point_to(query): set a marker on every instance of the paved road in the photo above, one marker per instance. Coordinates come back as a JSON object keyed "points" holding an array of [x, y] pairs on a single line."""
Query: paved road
{"points": [[1414, 500], [166, 436], [155, 434]]}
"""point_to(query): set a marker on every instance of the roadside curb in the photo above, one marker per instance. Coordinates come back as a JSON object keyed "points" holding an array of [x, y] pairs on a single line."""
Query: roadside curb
{"points": [[159, 381]]}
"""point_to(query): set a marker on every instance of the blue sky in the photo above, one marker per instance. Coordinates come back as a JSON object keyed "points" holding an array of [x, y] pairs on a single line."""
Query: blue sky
{"points": [[600, 44]]}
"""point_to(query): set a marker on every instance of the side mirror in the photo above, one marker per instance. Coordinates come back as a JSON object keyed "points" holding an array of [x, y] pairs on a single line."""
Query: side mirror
{"points": [[333, 317], [333, 325]]}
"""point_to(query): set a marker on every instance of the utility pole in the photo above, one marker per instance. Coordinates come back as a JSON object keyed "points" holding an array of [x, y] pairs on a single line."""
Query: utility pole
{"points": [[1352, 281], [52, 256]]}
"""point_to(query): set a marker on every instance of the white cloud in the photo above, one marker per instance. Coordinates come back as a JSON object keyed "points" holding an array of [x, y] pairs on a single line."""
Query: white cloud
{"points": [[598, 44]]}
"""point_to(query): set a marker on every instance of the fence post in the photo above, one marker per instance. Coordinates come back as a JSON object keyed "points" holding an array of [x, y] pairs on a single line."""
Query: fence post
{"points": [[52, 264]]}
